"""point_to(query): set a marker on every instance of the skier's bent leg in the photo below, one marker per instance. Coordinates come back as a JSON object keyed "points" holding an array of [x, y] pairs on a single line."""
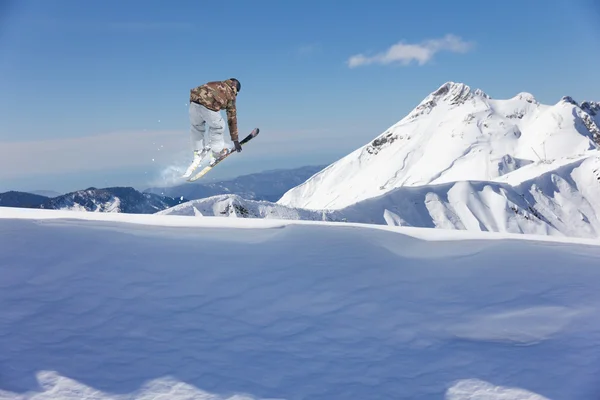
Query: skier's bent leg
{"points": [[197, 133], [197, 127], [216, 126]]}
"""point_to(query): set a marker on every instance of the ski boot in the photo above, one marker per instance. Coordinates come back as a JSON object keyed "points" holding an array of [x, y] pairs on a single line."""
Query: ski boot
{"points": [[198, 157], [215, 156]]}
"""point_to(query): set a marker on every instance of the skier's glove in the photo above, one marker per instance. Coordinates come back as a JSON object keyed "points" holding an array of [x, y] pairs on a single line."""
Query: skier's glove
{"points": [[238, 146]]}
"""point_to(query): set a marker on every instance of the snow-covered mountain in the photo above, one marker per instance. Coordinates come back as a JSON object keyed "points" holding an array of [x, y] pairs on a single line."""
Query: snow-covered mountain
{"points": [[112, 199], [224, 309], [454, 134], [266, 185], [557, 199]]}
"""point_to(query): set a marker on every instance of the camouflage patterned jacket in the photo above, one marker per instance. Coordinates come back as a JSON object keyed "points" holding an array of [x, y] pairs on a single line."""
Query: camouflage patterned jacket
{"points": [[218, 95]]}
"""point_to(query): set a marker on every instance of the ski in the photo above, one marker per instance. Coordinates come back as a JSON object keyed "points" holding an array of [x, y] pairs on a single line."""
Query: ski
{"points": [[210, 166]]}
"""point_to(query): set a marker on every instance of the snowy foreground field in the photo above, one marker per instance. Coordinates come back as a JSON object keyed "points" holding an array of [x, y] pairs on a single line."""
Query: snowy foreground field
{"points": [[121, 306]]}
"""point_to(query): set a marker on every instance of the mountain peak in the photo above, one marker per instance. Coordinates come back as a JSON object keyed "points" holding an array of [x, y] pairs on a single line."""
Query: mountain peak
{"points": [[457, 92], [526, 96], [568, 99], [450, 93], [591, 107], [455, 134], [586, 114]]}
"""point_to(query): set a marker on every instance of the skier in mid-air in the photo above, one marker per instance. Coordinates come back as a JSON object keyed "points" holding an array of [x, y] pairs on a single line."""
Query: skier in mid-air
{"points": [[206, 102]]}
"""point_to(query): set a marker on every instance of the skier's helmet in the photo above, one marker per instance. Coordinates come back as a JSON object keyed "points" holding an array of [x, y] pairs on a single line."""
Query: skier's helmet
{"points": [[238, 85]]}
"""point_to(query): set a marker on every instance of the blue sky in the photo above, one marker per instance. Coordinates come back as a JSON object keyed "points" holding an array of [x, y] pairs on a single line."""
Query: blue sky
{"points": [[95, 93]]}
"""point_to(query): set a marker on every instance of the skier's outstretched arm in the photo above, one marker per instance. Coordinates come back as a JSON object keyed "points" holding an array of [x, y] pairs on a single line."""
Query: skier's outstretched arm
{"points": [[232, 122]]}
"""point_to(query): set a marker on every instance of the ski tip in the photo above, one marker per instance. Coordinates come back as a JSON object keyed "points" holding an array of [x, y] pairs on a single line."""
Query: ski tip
{"points": [[255, 131]]}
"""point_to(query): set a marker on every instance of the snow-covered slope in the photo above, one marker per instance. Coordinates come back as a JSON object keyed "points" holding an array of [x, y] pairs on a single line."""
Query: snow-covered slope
{"points": [[560, 198], [564, 201], [207, 308], [454, 134]]}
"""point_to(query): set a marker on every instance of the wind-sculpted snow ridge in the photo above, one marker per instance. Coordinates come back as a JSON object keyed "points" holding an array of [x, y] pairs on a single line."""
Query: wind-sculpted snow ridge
{"points": [[455, 134], [55, 386], [131, 306], [475, 389]]}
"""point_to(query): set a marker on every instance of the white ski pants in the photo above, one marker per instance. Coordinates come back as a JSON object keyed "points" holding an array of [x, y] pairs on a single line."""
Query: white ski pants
{"points": [[202, 118]]}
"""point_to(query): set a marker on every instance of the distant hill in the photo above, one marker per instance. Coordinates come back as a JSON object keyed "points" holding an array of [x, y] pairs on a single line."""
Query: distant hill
{"points": [[266, 185], [113, 199], [21, 199]]}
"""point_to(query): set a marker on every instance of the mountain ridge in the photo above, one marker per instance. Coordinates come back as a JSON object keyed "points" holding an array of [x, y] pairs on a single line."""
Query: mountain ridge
{"points": [[14, 198], [455, 133], [265, 185], [111, 199], [558, 200], [123, 199]]}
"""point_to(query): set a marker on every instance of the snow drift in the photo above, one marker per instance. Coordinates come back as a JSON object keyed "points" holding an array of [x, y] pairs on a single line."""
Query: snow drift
{"points": [[132, 306], [454, 134]]}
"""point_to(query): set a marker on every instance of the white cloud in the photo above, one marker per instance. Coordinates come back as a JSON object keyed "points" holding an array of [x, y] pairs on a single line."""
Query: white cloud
{"points": [[404, 53]]}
